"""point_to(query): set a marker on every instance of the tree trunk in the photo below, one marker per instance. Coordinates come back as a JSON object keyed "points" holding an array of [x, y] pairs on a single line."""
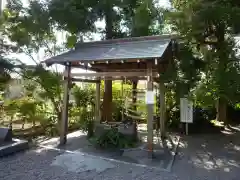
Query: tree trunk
{"points": [[221, 109], [221, 71], [107, 97]]}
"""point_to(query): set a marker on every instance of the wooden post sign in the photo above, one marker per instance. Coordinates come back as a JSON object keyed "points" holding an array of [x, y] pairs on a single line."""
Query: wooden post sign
{"points": [[186, 112], [149, 97]]}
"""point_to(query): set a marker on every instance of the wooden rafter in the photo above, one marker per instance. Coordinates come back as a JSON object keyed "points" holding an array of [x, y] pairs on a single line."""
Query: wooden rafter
{"points": [[129, 66], [112, 74]]}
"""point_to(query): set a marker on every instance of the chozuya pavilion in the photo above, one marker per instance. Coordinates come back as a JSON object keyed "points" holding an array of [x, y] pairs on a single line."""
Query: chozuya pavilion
{"points": [[141, 58]]}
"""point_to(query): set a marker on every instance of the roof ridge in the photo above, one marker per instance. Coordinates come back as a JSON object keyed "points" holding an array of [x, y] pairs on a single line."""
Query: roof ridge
{"points": [[125, 40]]}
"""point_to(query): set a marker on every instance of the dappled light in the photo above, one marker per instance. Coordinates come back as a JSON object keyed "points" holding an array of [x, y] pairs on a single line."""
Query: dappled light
{"points": [[212, 155]]}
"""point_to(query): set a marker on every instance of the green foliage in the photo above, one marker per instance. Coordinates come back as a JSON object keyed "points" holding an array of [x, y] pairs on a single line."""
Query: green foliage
{"points": [[83, 96], [7, 65], [33, 28], [142, 17], [10, 107], [27, 107], [4, 79], [50, 86], [112, 139], [207, 27], [185, 73], [28, 26], [82, 117], [68, 14], [119, 98]]}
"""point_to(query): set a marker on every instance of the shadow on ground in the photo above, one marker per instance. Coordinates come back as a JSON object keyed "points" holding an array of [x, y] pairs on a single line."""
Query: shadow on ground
{"points": [[203, 157], [210, 157], [164, 151]]}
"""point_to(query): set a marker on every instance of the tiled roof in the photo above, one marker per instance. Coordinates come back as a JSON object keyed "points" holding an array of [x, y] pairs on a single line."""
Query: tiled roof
{"points": [[118, 49]]}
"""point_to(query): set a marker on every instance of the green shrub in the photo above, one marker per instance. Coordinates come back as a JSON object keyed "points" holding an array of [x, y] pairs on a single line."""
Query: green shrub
{"points": [[81, 118], [112, 139]]}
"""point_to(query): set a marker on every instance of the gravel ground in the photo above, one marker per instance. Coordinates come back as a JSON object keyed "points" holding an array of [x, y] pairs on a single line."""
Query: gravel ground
{"points": [[37, 165], [208, 157], [212, 157]]}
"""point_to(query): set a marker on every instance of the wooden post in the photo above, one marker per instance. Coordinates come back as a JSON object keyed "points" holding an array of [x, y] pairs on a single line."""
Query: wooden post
{"points": [[150, 110], [64, 121], [186, 126], [123, 101], [107, 101], [2, 7], [97, 106], [158, 109], [162, 109]]}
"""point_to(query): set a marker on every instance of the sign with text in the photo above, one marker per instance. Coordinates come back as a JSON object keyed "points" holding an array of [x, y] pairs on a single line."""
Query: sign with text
{"points": [[186, 110], [149, 97]]}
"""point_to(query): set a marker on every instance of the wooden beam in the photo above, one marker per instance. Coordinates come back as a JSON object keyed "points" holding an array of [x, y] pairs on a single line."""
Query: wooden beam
{"points": [[120, 66], [150, 111], [64, 120], [112, 74], [85, 80], [130, 67]]}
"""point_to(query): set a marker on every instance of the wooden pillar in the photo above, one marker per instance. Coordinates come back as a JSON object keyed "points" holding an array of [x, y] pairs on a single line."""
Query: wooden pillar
{"points": [[158, 109], [162, 109], [150, 111], [107, 101], [123, 101], [64, 120], [98, 98]]}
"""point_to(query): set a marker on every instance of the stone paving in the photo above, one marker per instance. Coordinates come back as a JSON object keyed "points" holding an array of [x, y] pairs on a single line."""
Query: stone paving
{"points": [[208, 157]]}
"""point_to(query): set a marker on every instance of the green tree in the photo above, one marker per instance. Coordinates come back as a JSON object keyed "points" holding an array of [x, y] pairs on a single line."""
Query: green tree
{"points": [[142, 18], [32, 30], [207, 26], [29, 27], [5, 69], [62, 15]]}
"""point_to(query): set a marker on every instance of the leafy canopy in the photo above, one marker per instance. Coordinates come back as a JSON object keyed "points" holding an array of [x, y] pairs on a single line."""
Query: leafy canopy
{"points": [[208, 27]]}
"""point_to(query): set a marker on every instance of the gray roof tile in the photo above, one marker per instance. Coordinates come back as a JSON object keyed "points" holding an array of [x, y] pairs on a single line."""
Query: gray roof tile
{"points": [[134, 48]]}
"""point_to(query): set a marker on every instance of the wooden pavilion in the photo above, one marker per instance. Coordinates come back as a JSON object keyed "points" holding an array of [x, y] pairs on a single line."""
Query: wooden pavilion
{"points": [[142, 58]]}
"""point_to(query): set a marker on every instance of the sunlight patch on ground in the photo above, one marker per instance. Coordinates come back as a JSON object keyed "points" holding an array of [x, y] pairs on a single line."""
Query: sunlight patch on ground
{"points": [[236, 148], [217, 123], [55, 141]]}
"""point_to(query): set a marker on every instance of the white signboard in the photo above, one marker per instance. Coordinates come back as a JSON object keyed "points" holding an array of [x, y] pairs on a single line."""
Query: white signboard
{"points": [[149, 97], [186, 110]]}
